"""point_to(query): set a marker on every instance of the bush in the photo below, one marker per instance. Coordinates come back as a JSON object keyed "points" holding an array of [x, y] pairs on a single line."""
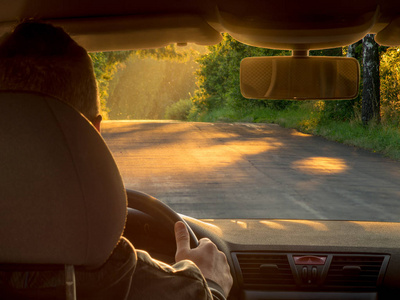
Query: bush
{"points": [[218, 76], [339, 110], [390, 87], [179, 110]]}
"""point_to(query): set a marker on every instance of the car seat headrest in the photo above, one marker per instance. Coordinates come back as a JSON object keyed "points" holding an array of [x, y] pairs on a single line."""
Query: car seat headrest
{"points": [[62, 199]]}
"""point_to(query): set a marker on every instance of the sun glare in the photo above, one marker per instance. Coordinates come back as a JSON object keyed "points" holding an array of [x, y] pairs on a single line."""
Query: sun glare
{"points": [[321, 165], [318, 226], [273, 225]]}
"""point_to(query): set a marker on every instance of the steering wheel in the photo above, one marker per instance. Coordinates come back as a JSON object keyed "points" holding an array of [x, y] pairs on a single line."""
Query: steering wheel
{"points": [[159, 211]]}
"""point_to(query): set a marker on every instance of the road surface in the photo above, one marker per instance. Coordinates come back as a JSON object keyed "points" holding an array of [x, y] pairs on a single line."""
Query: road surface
{"points": [[245, 170]]}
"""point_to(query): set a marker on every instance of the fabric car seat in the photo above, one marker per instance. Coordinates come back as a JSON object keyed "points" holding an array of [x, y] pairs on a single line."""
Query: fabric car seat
{"points": [[62, 201]]}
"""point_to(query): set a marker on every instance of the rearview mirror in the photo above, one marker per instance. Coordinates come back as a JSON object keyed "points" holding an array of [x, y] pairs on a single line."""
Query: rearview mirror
{"points": [[299, 78]]}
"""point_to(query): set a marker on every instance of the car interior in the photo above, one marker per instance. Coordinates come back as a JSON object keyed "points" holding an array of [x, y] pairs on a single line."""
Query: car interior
{"points": [[75, 217]]}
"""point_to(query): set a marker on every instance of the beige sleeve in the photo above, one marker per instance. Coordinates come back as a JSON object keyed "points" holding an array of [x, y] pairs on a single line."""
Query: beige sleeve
{"points": [[155, 280]]}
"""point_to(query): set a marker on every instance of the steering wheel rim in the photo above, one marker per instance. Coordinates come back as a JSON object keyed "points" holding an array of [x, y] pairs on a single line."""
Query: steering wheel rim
{"points": [[159, 210]]}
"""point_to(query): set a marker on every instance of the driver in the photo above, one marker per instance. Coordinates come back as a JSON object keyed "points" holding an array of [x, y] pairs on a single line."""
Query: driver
{"points": [[37, 57]]}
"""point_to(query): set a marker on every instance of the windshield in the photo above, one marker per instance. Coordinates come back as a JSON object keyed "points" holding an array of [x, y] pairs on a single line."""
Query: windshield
{"points": [[180, 131]]}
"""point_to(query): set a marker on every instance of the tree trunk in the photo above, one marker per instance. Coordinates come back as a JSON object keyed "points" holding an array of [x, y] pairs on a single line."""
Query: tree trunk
{"points": [[371, 81], [351, 51]]}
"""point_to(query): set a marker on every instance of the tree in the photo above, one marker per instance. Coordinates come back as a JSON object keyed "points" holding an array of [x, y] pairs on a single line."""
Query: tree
{"points": [[218, 80], [390, 86], [144, 88], [353, 50], [371, 81], [105, 65]]}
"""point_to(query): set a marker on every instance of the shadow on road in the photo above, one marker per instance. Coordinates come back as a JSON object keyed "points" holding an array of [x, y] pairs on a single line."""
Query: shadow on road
{"points": [[223, 170]]}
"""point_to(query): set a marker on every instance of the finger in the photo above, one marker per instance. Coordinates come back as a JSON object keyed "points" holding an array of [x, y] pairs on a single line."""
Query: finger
{"points": [[204, 240], [207, 243], [181, 237]]}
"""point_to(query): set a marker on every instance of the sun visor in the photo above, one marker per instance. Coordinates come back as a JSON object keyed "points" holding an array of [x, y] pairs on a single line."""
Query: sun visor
{"points": [[390, 35], [299, 78]]}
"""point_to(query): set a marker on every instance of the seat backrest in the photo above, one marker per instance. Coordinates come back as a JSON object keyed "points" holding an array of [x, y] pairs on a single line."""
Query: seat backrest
{"points": [[62, 199]]}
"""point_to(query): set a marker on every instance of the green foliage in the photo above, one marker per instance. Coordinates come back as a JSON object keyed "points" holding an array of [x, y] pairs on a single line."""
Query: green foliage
{"points": [[219, 87], [169, 53], [306, 116], [328, 52], [179, 110], [105, 65], [390, 86], [339, 110], [376, 138], [218, 99], [146, 87], [217, 91], [218, 76]]}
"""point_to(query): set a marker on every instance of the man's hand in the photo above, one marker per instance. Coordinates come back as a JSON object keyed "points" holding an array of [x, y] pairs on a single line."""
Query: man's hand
{"points": [[211, 262]]}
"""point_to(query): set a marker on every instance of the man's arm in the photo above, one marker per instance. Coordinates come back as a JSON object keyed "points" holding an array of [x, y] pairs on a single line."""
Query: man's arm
{"points": [[211, 262]]}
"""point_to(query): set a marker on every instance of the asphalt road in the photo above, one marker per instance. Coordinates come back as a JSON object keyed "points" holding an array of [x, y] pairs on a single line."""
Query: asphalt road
{"points": [[222, 170]]}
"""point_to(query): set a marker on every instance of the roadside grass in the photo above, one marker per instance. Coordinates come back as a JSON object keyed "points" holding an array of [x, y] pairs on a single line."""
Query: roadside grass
{"points": [[376, 138], [306, 117]]}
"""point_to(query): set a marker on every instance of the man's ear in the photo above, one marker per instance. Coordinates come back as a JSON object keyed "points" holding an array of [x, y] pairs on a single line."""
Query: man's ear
{"points": [[96, 122]]}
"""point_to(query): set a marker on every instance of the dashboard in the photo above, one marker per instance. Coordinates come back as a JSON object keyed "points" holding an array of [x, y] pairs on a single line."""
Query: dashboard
{"points": [[291, 259]]}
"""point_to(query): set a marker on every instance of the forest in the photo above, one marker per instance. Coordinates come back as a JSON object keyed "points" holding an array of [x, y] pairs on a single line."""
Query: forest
{"points": [[198, 84]]}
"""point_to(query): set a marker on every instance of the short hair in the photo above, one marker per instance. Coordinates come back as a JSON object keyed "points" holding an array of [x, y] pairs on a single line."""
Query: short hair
{"points": [[39, 57]]}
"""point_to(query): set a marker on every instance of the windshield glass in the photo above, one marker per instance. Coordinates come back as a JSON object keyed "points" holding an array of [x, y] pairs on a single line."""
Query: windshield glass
{"points": [[180, 131]]}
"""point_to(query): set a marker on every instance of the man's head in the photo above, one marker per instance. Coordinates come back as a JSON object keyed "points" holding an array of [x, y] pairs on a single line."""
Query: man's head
{"points": [[41, 58]]}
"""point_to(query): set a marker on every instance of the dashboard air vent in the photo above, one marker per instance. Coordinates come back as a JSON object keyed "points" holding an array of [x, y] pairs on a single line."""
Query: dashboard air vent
{"points": [[354, 272], [265, 270]]}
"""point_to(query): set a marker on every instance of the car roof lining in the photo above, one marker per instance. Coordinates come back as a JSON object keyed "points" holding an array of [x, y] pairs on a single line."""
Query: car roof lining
{"points": [[138, 24]]}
